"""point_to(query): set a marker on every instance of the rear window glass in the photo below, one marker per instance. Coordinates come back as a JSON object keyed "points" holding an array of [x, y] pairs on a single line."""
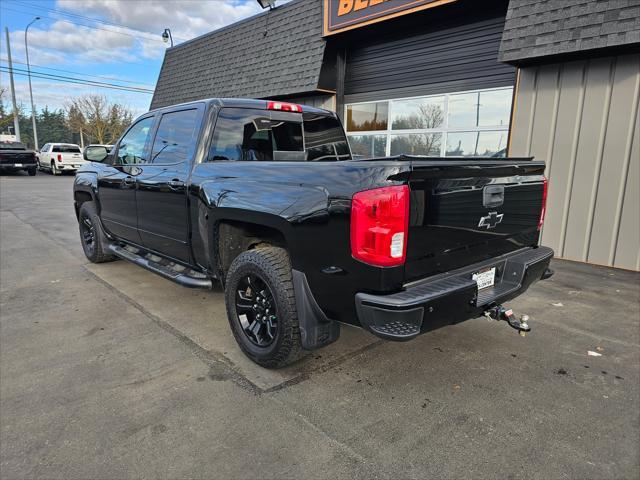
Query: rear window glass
{"points": [[245, 134], [324, 138], [12, 146], [65, 149]]}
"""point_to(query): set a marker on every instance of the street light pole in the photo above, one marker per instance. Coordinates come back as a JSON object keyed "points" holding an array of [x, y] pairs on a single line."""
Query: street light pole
{"points": [[33, 109], [16, 116], [166, 36]]}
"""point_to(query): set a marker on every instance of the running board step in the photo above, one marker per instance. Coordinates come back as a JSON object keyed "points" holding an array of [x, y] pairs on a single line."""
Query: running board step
{"points": [[174, 272], [396, 330]]}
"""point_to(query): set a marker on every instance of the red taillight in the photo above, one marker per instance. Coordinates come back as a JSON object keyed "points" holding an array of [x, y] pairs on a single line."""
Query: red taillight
{"points": [[285, 107], [59, 157], [543, 210], [379, 226]]}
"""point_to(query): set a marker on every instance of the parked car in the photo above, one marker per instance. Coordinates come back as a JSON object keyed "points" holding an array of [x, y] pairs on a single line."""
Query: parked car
{"points": [[265, 198], [60, 157], [15, 156]]}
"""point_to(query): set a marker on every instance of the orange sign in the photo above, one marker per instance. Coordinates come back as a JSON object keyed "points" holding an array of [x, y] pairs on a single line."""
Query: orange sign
{"points": [[342, 15]]}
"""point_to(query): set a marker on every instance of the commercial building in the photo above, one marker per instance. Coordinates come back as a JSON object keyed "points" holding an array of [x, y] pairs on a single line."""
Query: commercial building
{"points": [[559, 80]]}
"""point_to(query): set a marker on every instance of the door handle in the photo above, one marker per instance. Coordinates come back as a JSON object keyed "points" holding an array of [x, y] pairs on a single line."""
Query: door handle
{"points": [[176, 183], [129, 180], [493, 196]]}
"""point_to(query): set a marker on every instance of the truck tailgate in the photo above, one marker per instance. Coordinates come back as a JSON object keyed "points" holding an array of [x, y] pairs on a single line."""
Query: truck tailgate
{"points": [[12, 157], [466, 211]]}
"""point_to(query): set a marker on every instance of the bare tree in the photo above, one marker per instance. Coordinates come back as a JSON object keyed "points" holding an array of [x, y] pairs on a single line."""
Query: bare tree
{"points": [[93, 115]]}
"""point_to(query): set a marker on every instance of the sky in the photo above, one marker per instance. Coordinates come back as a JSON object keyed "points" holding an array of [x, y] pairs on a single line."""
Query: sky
{"points": [[109, 41]]}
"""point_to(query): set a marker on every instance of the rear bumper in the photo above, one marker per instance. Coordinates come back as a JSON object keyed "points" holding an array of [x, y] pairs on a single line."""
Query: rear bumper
{"points": [[69, 166], [19, 166], [451, 297]]}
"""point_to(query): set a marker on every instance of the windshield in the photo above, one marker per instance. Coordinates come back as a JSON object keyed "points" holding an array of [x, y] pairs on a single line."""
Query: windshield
{"points": [[66, 149], [12, 146]]}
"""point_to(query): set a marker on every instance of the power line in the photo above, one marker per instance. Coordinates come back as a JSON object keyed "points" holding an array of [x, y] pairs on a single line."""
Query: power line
{"points": [[84, 17], [79, 81], [79, 73], [85, 25]]}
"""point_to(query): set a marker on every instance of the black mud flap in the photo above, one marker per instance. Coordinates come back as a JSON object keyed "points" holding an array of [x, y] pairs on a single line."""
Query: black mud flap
{"points": [[316, 330]]}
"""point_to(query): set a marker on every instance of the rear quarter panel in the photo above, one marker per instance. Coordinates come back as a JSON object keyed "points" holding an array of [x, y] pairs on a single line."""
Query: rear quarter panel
{"points": [[309, 204]]}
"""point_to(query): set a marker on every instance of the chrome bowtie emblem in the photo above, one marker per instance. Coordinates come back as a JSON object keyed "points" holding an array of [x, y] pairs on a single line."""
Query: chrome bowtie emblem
{"points": [[491, 220]]}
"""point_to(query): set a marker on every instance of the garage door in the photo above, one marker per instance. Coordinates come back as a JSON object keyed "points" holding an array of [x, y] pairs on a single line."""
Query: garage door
{"points": [[442, 55]]}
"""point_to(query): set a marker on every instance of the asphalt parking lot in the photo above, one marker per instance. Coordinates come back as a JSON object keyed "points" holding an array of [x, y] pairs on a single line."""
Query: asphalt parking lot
{"points": [[108, 371]]}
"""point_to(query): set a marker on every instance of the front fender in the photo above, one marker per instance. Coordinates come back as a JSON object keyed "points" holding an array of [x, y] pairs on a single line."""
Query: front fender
{"points": [[86, 181]]}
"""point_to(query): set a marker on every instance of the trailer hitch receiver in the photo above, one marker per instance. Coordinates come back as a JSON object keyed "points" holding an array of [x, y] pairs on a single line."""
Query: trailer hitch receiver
{"points": [[500, 313]]}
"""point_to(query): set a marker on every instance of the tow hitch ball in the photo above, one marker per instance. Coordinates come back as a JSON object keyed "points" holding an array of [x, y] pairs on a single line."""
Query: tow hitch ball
{"points": [[500, 313]]}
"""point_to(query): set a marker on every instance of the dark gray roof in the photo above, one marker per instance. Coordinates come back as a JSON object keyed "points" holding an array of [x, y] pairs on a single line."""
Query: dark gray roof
{"points": [[240, 61], [539, 28]]}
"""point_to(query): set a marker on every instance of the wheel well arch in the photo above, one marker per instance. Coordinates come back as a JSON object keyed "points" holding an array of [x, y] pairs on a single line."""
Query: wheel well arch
{"points": [[232, 237], [79, 198]]}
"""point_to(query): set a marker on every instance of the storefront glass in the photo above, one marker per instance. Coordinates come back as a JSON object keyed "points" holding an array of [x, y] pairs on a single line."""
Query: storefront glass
{"points": [[464, 124], [368, 146], [416, 144], [367, 116]]}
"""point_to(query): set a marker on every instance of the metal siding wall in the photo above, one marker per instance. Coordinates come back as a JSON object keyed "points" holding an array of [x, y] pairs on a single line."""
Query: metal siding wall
{"points": [[627, 251], [582, 119]]}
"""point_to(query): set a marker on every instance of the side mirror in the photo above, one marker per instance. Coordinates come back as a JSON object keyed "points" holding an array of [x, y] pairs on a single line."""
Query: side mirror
{"points": [[96, 154]]}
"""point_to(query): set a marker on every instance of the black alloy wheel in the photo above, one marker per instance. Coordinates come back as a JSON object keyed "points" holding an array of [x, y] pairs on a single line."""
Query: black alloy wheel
{"points": [[261, 306], [256, 310], [94, 242], [88, 232]]}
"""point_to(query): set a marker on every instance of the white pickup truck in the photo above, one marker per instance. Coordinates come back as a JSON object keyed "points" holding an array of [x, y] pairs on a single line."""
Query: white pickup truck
{"points": [[60, 157]]}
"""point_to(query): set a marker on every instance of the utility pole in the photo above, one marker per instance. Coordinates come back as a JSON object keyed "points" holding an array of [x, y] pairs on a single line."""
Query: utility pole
{"points": [[33, 108], [16, 117]]}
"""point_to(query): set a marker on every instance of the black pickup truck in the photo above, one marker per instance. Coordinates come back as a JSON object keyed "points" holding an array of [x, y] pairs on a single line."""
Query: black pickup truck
{"points": [[265, 198], [14, 156]]}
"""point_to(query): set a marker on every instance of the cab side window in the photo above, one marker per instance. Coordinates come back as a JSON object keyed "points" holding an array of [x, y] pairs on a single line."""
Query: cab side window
{"points": [[131, 149], [176, 137]]}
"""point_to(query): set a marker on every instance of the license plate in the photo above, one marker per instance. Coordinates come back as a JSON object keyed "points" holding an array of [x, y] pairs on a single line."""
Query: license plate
{"points": [[485, 278], [17, 164]]}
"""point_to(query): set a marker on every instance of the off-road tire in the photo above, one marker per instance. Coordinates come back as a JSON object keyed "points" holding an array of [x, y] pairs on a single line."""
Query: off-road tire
{"points": [[273, 266], [97, 252], [32, 171], [54, 169]]}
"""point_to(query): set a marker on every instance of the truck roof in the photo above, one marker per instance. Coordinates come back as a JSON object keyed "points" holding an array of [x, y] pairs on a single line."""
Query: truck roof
{"points": [[242, 103]]}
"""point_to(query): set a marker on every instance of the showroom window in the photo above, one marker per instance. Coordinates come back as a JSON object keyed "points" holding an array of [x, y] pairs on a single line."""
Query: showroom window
{"points": [[465, 124]]}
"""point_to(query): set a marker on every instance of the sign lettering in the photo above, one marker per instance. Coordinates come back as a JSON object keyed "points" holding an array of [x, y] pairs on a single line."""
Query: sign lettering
{"points": [[341, 15]]}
